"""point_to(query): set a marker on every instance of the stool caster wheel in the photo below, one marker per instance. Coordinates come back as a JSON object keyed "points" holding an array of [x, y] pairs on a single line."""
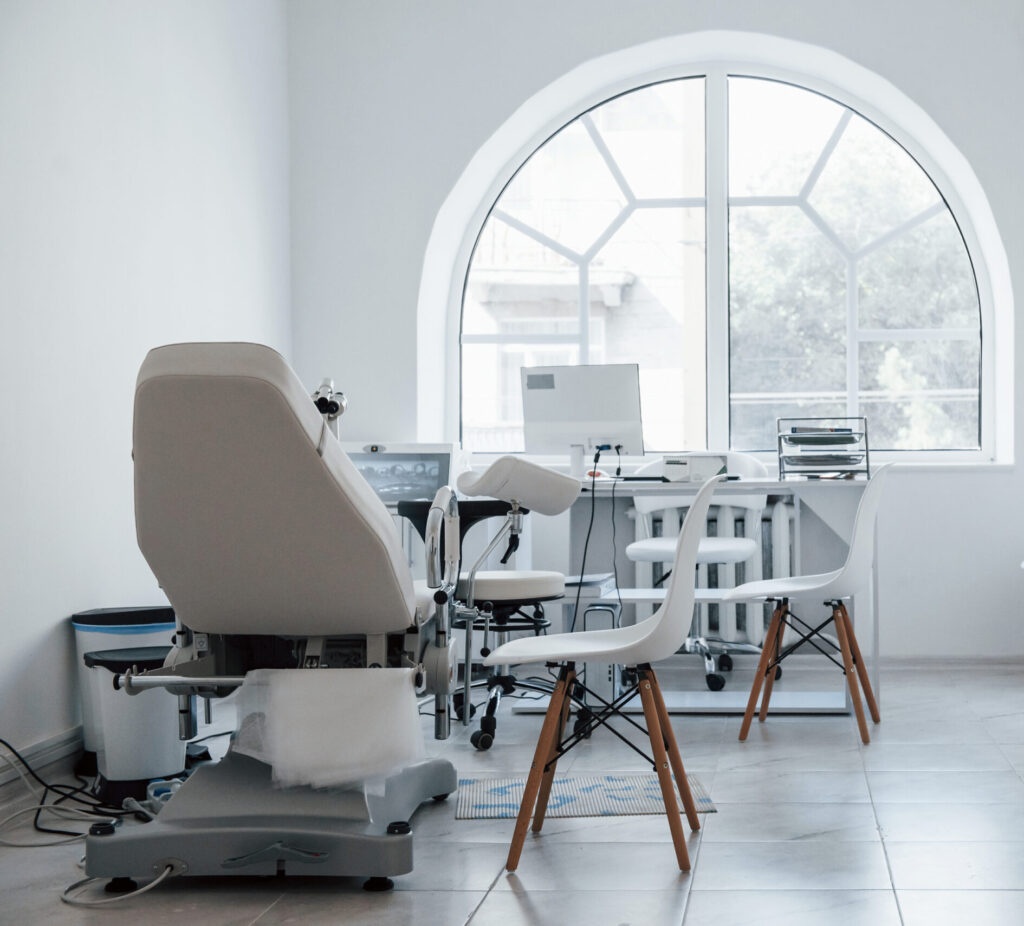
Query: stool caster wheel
{"points": [[489, 725], [778, 672], [457, 699], [725, 663], [715, 682], [581, 726], [481, 740]]}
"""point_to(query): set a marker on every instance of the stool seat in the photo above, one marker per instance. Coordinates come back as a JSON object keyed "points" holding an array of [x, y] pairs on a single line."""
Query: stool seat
{"points": [[510, 585], [711, 550]]}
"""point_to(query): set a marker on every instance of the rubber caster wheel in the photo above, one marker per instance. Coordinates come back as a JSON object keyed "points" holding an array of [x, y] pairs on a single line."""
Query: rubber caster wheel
{"points": [[778, 672], [457, 706], [441, 797], [481, 740], [725, 663], [715, 682], [582, 725]]}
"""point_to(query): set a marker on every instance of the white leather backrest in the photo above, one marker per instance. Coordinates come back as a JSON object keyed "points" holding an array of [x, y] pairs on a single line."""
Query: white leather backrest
{"points": [[514, 479], [247, 510]]}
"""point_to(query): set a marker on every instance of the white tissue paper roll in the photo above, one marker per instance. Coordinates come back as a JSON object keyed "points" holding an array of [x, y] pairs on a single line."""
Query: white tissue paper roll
{"points": [[329, 727]]}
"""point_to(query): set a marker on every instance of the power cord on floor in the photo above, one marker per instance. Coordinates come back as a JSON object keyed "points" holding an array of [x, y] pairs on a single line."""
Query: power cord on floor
{"points": [[94, 806], [76, 902]]}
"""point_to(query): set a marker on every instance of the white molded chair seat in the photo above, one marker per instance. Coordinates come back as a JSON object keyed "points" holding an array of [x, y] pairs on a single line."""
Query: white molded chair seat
{"points": [[785, 587], [506, 585], [711, 550]]}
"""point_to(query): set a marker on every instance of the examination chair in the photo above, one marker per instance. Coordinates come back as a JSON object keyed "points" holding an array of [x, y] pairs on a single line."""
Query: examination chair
{"points": [[288, 581]]}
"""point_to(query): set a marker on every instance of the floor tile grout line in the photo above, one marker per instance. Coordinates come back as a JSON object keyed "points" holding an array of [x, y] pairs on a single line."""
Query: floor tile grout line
{"points": [[487, 894], [881, 839], [277, 900]]}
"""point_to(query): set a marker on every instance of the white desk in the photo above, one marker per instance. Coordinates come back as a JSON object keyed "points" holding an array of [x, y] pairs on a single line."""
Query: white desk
{"points": [[825, 511]]}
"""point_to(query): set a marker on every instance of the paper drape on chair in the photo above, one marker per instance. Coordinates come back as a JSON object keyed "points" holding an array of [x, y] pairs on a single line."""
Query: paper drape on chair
{"points": [[329, 727]]}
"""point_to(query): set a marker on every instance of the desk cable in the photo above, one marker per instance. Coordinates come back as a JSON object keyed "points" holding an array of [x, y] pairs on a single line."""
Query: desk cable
{"points": [[615, 565], [590, 527]]}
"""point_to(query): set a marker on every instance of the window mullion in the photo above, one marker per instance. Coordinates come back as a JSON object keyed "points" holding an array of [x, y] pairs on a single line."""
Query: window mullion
{"points": [[852, 340], [716, 160], [584, 310]]}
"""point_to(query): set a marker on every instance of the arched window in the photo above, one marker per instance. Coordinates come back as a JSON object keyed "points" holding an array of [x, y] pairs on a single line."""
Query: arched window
{"points": [[759, 249]]}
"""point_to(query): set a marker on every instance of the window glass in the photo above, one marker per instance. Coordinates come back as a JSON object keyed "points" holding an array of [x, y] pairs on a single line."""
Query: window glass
{"points": [[566, 191], [777, 133], [656, 138], [846, 285], [869, 186]]}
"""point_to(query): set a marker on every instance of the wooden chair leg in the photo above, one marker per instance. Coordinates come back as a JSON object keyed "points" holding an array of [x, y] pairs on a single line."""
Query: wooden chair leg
{"points": [[862, 669], [540, 757], [776, 646], [675, 760], [552, 760], [668, 792], [851, 674], [762, 665]]}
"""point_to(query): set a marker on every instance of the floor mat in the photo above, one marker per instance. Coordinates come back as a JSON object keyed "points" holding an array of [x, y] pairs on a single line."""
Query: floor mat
{"points": [[572, 796]]}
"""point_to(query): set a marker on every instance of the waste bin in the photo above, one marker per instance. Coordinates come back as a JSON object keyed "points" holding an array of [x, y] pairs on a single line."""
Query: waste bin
{"points": [[138, 734], [112, 628]]}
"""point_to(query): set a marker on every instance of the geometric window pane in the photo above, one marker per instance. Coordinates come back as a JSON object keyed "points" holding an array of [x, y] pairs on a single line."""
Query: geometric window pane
{"points": [[516, 284], [920, 395], [870, 186], [776, 135], [565, 190], [492, 406], [787, 316], [654, 316], [752, 424], [921, 279], [656, 137]]}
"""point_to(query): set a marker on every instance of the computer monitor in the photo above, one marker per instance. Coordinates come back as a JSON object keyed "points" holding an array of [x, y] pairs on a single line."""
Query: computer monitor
{"points": [[588, 406], [402, 472]]}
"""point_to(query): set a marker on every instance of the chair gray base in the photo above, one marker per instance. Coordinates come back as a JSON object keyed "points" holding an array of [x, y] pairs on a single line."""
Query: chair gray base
{"points": [[229, 819]]}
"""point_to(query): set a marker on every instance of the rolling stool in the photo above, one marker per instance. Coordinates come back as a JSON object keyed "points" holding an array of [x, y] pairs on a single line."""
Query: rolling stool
{"points": [[505, 597]]}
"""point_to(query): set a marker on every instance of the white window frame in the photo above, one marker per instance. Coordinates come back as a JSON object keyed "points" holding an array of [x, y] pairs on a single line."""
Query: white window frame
{"points": [[464, 212]]}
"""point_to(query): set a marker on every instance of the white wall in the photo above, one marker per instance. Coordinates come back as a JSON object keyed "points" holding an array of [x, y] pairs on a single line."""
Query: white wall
{"points": [[389, 102], [143, 200]]}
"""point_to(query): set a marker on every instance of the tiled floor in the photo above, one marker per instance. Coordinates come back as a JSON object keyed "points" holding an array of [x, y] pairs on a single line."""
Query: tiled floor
{"points": [[924, 826]]}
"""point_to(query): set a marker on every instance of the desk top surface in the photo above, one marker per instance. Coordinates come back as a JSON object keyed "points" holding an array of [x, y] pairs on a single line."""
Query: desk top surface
{"points": [[603, 486]]}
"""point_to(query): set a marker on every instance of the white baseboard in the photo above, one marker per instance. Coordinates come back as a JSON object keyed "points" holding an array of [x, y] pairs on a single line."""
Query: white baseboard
{"points": [[56, 747]]}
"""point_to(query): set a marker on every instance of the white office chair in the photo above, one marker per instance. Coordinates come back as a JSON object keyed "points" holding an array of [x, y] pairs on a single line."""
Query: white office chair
{"points": [[834, 588], [637, 645], [284, 568], [726, 551]]}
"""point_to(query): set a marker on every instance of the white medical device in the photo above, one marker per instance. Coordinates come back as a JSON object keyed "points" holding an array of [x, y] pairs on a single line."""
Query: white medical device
{"points": [[581, 409]]}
